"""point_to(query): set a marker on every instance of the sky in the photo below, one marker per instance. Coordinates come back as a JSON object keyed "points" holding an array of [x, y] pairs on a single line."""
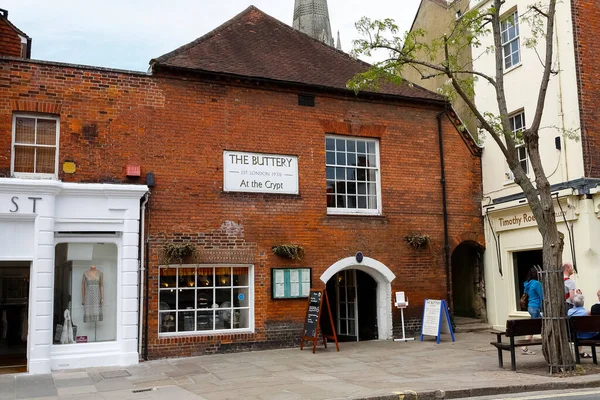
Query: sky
{"points": [[126, 34]]}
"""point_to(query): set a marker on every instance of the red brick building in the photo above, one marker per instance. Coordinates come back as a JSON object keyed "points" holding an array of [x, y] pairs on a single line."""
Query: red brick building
{"points": [[249, 139], [13, 41]]}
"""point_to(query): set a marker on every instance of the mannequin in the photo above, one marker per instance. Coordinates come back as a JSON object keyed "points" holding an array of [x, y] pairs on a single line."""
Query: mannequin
{"points": [[92, 294]]}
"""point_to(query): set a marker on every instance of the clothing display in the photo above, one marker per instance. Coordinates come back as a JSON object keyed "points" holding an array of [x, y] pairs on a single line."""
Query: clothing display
{"points": [[67, 336], [92, 287]]}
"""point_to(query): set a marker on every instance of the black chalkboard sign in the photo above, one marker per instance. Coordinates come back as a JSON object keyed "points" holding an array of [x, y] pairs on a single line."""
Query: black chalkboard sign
{"points": [[317, 300]]}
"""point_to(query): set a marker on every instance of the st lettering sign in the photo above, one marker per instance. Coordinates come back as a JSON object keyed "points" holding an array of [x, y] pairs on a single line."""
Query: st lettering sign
{"points": [[260, 173]]}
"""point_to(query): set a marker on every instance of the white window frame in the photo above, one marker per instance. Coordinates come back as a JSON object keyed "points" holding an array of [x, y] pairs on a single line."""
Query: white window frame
{"points": [[505, 26], [12, 157], [520, 146], [196, 332], [377, 169]]}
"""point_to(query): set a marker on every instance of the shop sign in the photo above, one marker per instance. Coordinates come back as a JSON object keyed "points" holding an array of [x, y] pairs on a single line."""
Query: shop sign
{"points": [[27, 204], [526, 219], [260, 173]]}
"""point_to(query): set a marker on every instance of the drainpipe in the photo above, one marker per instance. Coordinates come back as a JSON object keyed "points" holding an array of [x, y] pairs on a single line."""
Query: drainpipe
{"points": [[142, 270], [444, 204]]}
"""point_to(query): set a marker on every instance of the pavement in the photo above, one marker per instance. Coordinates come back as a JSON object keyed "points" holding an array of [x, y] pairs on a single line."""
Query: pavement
{"points": [[381, 370]]}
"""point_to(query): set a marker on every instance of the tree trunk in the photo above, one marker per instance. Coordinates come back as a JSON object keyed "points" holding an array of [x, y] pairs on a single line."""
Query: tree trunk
{"points": [[555, 346]]}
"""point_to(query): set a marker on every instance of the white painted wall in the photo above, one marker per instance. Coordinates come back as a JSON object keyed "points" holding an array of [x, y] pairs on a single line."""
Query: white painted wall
{"points": [[522, 87], [70, 207]]}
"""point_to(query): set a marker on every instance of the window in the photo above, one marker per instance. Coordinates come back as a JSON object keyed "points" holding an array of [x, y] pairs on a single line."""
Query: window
{"points": [[352, 172], [199, 298], [35, 144], [509, 29], [517, 125], [85, 291]]}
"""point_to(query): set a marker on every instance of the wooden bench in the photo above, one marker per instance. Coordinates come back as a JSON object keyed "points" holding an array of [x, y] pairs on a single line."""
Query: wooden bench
{"points": [[590, 323], [517, 327]]}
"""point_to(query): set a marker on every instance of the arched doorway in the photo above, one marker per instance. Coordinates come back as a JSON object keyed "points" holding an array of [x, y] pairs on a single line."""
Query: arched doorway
{"points": [[361, 298], [468, 283]]}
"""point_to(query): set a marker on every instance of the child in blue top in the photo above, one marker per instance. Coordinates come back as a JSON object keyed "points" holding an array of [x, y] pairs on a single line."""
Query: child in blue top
{"points": [[533, 288]]}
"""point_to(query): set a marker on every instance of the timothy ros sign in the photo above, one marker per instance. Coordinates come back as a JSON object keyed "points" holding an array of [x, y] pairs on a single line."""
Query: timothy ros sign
{"points": [[260, 173]]}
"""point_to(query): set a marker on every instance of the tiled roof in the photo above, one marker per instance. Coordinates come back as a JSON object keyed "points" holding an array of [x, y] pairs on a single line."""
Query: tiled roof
{"points": [[256, 45]]}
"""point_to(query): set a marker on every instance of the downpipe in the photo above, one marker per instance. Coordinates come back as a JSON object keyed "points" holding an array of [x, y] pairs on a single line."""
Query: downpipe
{"points": [[445, 207], [142, 270]]}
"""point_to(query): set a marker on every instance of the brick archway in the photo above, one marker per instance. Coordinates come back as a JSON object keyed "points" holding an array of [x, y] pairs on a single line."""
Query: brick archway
{"points": [[383, 276]]}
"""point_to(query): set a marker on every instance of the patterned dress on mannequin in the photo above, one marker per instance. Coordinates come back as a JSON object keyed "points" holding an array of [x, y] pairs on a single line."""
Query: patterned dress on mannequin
{"points": [[92, 309]]}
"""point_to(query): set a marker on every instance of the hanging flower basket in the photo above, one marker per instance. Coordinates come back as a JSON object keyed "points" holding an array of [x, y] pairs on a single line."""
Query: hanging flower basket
{"points": [[291, 251], [179, 252], [416, 240]]}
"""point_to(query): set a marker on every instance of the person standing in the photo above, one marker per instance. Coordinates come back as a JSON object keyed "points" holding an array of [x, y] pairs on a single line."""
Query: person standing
{"points": [[595, 310], [569, 284], [535, 297]]}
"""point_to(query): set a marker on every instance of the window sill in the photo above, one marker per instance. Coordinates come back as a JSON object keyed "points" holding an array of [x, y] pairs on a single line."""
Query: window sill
{"points": [[23, 175], [228, 332], [512, 68]]}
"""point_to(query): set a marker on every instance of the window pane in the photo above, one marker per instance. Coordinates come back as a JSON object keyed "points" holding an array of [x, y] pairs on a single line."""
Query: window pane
{"points": [[205, 277], [351, 174], [340, 187], [167, 300], [330, 158], [187, 299], [372, 188], [205, 298], [187, 277], [223, 318], [362, 202], [166, 322], [373, 202], [341, 201], [241, 319], [371, 147], [25, 130], [361, 147], [330, 200], [330, 173], [351, 159], [240, 297], [362, 188], [205, 320], [46, 132], [362, 161], [186, 321], [361, 174], [351, 201], [351, 145], [515, 58], [223, 297], [167, 277], [45, 160], [240, 276], [340, 173], [340, 145], [371, 161], [351, 186], [341, 158], [329, 144], [223, 277], [330, 186], [24, 158], [372, 175]]}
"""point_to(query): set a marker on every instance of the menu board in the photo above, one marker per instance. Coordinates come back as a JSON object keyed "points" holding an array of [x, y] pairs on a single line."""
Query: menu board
{"points": [[431, 317], [313, 313], [290, 283]]}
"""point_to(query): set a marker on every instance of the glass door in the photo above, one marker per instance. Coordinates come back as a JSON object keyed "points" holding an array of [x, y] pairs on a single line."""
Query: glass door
{"points": [[347, 304]]}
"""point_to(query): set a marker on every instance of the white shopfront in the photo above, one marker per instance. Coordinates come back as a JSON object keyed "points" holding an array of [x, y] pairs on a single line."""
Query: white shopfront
{"points": [[69, 260], [514, 244]]}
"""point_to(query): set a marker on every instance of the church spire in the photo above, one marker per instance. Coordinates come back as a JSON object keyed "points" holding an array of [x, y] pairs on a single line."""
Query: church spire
{"points": [[339, 42], [312, 18]]}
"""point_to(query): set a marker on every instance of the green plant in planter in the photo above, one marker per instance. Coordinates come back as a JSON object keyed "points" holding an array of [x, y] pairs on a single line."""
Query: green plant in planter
{"points": [[417, 240], [178, 251], [291, 251]]}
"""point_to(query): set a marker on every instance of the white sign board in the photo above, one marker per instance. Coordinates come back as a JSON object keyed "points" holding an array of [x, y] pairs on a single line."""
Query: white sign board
{"points": [[260, 173], [431, 317]]}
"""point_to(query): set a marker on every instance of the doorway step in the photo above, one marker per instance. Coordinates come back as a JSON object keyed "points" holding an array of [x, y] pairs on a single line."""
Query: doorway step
{"points": [[464, 324]]}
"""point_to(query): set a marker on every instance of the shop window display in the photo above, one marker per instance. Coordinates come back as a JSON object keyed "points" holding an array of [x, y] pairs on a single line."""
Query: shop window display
{"points": [[203, 298], [85, 293]]}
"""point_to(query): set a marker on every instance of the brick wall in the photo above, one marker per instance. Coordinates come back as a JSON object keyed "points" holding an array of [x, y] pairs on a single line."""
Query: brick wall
{"points": [[586, 21], [10, 43], [179, 128]]}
